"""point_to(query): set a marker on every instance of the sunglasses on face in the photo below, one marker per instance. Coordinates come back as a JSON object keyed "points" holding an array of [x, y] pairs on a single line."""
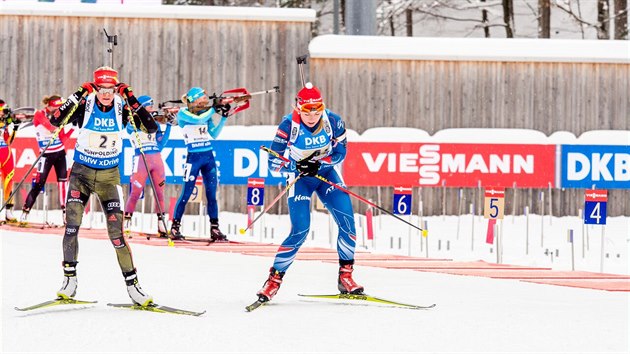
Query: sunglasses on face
{"points": [[105, 90], [312, 107]]}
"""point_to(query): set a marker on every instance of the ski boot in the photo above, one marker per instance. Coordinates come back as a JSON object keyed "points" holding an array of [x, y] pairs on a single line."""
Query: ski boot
{"points": [[345, 283], [271, 285], [127, 224], [9, 217], [137, 295], [24, 218], [215, 234], [175, 233], [69, 286], [162, 232]]}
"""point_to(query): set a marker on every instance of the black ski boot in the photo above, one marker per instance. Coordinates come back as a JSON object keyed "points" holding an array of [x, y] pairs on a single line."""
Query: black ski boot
{"points": [[175, 233], [215, 234]]}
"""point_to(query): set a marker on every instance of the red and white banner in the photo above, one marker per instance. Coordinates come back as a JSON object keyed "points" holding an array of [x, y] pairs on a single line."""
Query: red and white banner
{"points": [[451, 165]]}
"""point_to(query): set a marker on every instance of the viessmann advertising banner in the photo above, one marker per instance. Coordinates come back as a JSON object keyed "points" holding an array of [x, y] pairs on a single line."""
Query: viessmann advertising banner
{"points": [[413, 164], [451, 165]]}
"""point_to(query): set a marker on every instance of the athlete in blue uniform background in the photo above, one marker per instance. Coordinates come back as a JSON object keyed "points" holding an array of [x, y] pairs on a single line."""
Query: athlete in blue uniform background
{"points": [[198, 128], [314, 140]]}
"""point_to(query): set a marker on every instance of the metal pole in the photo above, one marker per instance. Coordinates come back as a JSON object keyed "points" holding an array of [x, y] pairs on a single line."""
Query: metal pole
{"points": [[542, 217], [112, 41], [409, 236], [472, 227], [514, 202], [495, 230], [301, 61], [526, 229], [583, 243], [420, 221], [443, 200], [360, 17], [459, 210], [336, 16], [601, 266], [549, 200], [45, 207], [426, 227], [572, 249]]}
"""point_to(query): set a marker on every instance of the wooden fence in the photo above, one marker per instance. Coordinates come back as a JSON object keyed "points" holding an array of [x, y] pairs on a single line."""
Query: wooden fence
{"points": [[440, 83], [161, 51]]}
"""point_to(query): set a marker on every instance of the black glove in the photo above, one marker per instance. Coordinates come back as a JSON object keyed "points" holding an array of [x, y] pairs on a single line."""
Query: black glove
{"points": [[12, 118], [222, 109], [308, 167]]}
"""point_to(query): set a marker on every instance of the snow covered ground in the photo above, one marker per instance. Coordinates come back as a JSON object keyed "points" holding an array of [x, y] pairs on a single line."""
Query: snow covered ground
{"points": [[529, 240], [473, 314]]}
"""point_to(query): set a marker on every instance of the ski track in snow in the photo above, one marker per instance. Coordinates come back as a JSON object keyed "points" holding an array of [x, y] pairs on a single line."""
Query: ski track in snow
{"points": [[473, 314]]}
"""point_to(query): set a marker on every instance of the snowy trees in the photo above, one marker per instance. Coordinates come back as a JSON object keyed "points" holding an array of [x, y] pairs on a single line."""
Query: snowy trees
{"points": [[586, 19]]}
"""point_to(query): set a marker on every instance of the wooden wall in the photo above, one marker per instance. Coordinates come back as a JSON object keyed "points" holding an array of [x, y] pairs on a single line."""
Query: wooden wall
{"points": [[42, 55], [434, 95]]}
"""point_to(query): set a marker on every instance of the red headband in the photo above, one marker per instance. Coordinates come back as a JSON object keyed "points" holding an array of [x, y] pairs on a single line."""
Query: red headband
{"points": [[55, 103], [105, 76]]}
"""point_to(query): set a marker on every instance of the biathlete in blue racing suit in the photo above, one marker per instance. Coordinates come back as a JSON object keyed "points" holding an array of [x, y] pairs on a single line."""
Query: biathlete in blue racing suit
{"points": [[315, 139], [198, 127]]}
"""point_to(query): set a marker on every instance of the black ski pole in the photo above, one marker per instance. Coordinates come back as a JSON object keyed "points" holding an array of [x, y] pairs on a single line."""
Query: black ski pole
{"points": [[284, 159]]}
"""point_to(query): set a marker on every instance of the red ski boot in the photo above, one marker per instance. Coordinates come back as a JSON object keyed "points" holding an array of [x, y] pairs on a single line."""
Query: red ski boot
{"points": [[345, 283], [271, 286]]}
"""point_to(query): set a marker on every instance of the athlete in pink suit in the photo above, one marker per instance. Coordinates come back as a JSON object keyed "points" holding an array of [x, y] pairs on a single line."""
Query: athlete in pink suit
{"points": [[152, 144]]}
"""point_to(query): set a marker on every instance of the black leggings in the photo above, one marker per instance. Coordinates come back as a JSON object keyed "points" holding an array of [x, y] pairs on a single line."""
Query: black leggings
{"points": [[56, 159]]}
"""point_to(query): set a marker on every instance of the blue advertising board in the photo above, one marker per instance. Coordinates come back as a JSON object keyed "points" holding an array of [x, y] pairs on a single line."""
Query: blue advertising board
{"points": [[237, 160], [602, 166]]}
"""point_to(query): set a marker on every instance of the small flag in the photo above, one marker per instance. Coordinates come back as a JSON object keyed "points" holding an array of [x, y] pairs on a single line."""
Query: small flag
{"points": [[369, 226], [490, 231]]}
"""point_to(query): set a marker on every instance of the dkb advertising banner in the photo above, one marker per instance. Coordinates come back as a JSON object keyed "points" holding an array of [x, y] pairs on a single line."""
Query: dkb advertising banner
{"points": [[598, 166], [237, 160]]}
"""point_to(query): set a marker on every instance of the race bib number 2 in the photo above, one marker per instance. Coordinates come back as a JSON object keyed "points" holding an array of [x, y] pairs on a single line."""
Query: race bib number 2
{"points": [[103, 141]]}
